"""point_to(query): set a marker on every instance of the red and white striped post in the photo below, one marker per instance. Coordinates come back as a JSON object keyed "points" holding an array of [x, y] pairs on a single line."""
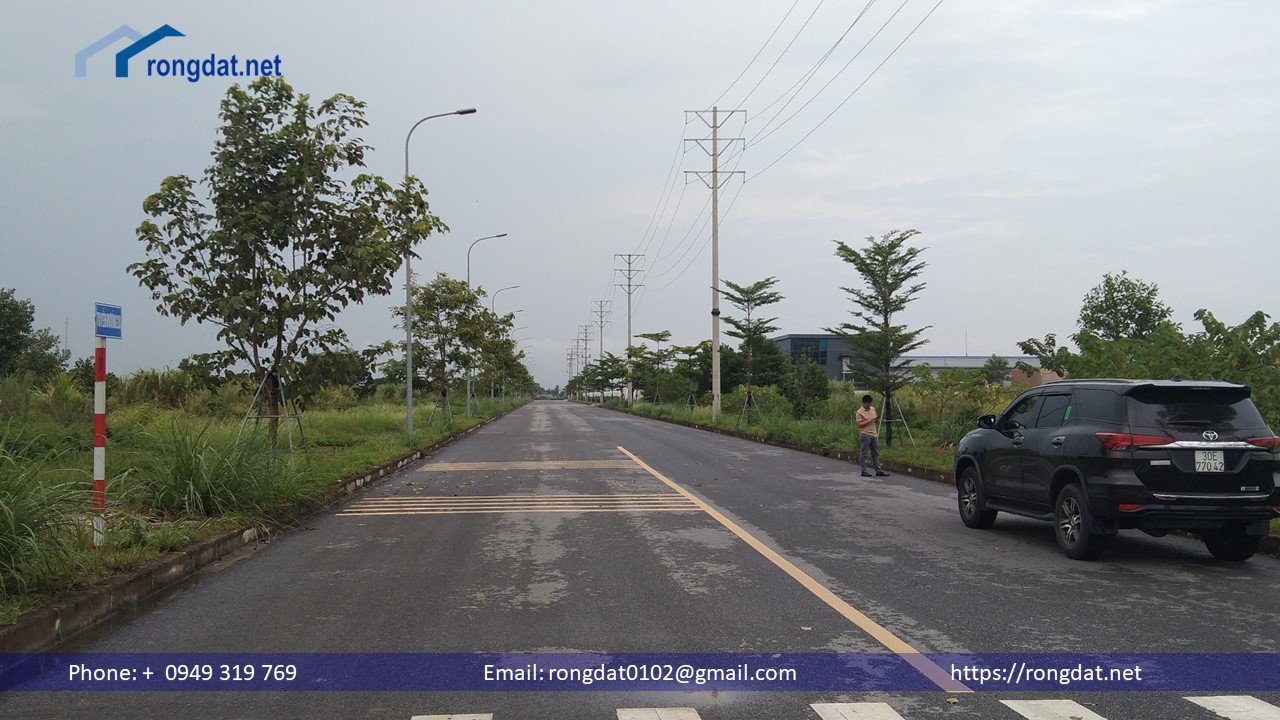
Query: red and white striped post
{"points": [[107, 323], [99, 439]]}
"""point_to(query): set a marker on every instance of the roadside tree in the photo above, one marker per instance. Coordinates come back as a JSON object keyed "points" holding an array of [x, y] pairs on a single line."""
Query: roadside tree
{"points": [[286, 237], [751, 331], [1122, 307], [888, 268]]}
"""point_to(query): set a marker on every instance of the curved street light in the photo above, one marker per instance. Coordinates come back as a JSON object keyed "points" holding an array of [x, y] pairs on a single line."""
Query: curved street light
{"points": [[494, 297], [408, 285], [473, 244]]}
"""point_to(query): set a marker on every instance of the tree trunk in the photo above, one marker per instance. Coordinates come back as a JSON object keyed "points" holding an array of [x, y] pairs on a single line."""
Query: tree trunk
{"points": [[273, 406], [888, 423]]}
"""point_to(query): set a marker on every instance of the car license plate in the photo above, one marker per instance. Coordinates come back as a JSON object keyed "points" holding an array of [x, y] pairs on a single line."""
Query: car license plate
{"points": [[1210, 461]]}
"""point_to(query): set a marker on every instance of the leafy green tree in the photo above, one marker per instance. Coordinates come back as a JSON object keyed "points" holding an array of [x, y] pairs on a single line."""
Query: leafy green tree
{"points": [[996, 370], [338, 367], [694, 362], [82, 373], [43, 357], [286, 238], [450, 325], [16, 319], [888, 268], [646, 364], [1118, 318], [1122, 307], [751, 331], [953, 393], [611, 373], [807, 387], [38, 353]]}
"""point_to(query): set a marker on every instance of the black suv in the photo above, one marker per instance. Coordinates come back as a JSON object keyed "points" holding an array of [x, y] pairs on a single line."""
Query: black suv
{"points": [[1097, 456]]}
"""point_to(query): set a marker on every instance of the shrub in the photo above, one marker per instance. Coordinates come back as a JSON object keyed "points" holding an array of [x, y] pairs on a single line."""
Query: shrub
{"points": [[333, 397], [768, 400], [163, 388], [15, 395], [36, 516], [209, 472], [949, 431], [63, 402]]}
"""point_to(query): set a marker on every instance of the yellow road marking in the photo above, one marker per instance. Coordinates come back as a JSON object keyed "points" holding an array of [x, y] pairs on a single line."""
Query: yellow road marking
{"points": [[896, 645], [528, 465]]}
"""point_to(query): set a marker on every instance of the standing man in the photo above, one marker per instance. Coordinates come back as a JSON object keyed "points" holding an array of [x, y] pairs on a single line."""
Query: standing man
{"points": [[867, 421]]}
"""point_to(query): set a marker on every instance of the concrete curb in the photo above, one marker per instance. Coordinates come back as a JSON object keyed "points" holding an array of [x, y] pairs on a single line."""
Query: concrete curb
{"points": [[43, 629], [1270, 544]]}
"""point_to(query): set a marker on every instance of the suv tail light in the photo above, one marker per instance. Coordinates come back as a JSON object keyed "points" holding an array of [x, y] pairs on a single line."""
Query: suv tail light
{"points": [[1271, 443], [1125, 441]]}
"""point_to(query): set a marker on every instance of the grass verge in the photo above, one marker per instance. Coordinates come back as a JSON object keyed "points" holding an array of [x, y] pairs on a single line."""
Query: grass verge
{"points": [[175, 479]]}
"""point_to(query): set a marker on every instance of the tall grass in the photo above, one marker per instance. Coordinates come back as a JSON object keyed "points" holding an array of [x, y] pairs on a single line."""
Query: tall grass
{"points": [[207, 472], [38, 516]]}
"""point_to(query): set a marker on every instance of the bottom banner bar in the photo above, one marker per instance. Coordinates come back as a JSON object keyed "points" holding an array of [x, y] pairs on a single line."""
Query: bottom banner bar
{"points": [[633, 672]]}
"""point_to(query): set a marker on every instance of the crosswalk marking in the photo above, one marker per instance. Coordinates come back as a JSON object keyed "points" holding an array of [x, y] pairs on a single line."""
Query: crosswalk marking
{"points": [[1232, 707], [1238, 707], [1052, 710], [529, 465], [657, 714], [617, 502], [855, 711]]}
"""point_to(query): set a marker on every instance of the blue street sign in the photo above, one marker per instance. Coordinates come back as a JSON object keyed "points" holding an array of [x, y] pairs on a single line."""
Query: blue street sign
{"points": [[107, 320]]}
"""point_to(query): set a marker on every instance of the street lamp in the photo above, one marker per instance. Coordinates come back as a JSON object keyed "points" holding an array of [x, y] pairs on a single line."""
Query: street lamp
{"points": [[408, 285], [488, 237], [494, 297]]}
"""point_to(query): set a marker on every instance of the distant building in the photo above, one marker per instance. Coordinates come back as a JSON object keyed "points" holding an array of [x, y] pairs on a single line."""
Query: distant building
{"points": [[832, 353]]}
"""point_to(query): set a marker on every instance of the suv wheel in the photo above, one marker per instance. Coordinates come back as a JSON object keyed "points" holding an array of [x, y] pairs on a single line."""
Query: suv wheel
{"points": [[1231, 543], [973, 505], [1075, 525]]}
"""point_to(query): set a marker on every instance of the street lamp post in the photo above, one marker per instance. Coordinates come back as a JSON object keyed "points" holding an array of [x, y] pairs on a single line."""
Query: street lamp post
{"points": [[494, 297], [408, 286], [488, 237]]}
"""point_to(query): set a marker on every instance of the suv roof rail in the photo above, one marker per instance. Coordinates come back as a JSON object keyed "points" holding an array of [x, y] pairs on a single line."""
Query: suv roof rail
{"points": [[1074, 381]]}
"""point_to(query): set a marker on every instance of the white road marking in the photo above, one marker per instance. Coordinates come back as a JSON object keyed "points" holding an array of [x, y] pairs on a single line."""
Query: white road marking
{"points": [[452, 717], [1052, 710], [855, 711], [1238, 707], [657, 714]]}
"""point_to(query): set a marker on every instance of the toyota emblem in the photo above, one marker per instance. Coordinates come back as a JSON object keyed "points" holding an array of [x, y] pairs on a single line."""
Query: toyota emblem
{"points": [[1210, 435]]}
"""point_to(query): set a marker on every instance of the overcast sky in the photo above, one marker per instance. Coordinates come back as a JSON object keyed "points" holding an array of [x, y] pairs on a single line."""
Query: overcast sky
{"points": [[1035, 144]]}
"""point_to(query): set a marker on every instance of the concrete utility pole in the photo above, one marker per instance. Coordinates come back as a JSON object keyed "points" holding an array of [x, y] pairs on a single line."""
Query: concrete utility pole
{"points": [[629, 273], [714, 184], [602, 310], [584, 356]]}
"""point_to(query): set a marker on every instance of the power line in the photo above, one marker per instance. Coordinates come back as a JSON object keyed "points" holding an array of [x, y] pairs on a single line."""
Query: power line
{"points": [[782, 54], [850, 95], [804, 79], [758, 52]]}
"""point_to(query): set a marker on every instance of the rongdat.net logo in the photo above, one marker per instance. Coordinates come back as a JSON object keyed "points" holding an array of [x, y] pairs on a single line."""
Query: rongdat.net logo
{"points": [[166, 64]]}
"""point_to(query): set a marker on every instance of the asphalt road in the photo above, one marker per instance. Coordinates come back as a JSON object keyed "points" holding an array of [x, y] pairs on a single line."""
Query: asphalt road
{"points": [[564, 529]]}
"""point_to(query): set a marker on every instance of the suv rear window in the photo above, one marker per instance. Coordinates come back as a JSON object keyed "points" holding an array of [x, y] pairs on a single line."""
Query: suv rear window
{"points": [[1226, 408], [1097, 405]]}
